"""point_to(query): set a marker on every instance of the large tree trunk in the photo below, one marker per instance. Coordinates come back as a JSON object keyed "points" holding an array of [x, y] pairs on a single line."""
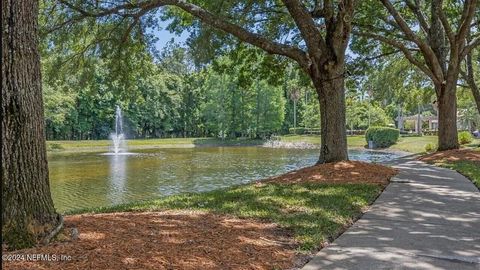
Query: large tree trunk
{"points": [[331, 96], [447, 116], [28, 214]]}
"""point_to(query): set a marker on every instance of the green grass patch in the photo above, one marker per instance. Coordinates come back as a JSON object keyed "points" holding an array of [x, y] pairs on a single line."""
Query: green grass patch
{"points": [[414, 144], [408, 144], [103, 145], [352, 141], [469, 169], [314, 212]]}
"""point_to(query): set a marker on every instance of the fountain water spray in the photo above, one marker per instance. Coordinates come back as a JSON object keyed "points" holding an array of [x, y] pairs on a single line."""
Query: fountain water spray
{"points": [[118, 137]]}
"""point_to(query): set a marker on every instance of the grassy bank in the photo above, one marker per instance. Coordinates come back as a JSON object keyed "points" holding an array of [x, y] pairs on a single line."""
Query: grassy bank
{"points": [[103, 145], [465, 161], [469, 169], [314, 212], [407, 144], [412, 144]]}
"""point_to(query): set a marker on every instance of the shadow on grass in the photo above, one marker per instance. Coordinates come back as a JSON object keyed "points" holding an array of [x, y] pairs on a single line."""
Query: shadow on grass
{"points": [[315, 213]]}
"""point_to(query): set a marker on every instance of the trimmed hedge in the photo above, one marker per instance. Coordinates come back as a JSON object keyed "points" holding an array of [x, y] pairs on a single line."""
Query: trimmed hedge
{"points": [[382, 136]]}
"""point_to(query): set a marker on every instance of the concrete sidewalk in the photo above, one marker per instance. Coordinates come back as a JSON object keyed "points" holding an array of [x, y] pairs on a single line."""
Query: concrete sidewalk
{"points": [[427, 218]]}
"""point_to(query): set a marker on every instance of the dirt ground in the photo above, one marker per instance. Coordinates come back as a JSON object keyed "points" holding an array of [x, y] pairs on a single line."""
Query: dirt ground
{"points": [[452, 155], [186, 239], [166, 240], [339, 172]]}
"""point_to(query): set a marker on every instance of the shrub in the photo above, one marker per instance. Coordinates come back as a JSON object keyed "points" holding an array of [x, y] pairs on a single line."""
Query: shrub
{"points": [[382, 136], [430, 147], [298, 130], [465, 137]]}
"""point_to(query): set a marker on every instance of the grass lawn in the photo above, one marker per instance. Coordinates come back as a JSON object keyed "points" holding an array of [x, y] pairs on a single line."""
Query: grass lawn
{"points": [[315, 212], [353, 141], [468, 168], [414, 144], [465, 161], [103, 145], [407, 144]]}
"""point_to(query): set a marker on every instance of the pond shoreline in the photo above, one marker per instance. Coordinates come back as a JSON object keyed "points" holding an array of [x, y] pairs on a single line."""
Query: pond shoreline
{"points": [[295, 214], [405, 144]]}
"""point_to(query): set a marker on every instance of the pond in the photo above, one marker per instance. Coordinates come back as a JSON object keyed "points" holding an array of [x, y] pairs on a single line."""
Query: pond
{"points": [[84, 180]]}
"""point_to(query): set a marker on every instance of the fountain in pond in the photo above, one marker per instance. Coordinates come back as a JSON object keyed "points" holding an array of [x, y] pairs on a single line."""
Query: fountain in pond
{"points": [[118, 136]]}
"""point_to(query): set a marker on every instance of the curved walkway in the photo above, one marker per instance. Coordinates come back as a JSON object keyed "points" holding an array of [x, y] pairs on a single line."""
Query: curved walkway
{"points": [[427, 218]]}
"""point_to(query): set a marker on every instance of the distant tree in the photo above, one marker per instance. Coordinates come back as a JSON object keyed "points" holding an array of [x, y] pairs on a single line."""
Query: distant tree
{"points": [[28, 214]]}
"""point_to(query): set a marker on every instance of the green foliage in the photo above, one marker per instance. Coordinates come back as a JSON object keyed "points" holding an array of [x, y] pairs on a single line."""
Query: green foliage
{"points": [[362, 114], [430, 147], [169, 98], [311, 114], [465, 137], [382, 136]]}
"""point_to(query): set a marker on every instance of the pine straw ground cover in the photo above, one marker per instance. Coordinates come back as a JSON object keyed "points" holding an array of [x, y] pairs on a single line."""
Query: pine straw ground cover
{"points": [[465, 161], [270, 224]]}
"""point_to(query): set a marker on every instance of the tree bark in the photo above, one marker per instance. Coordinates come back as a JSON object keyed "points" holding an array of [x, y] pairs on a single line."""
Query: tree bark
{"points": [[469, 77], [28, 214], [447, 116], [329, 85], [476, 96]]}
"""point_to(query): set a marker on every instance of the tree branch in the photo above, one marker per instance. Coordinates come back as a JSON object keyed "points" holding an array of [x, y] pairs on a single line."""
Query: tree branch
{"points": [[315, 43], [445, 24], [415, 8], [426, 50], [403, 49], [205, 16], [467, 16], [470, 46]]}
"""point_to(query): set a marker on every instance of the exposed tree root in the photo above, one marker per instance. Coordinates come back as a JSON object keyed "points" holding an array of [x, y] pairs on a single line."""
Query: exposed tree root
{"points": [[54, 232]]}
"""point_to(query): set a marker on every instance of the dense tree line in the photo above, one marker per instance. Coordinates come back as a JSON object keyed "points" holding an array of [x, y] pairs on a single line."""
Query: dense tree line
{"points": [[225, 99], [167, 99]]}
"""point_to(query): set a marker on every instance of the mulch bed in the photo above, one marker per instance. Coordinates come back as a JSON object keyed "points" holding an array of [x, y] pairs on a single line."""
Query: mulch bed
{"points": [[190, 239], [339, 173], [452, 156], [167, 240]]}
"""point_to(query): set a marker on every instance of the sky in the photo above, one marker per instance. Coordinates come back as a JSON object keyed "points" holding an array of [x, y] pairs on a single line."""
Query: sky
{"points": [[165, 36]]}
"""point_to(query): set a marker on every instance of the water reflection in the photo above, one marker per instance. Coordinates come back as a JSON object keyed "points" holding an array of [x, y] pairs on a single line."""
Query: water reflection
{"points": [[117, 178], [91, 180]]}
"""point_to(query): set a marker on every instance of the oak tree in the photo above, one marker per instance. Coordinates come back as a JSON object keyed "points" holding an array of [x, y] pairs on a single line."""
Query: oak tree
{"points": [[432, 35], [28, 214]]}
